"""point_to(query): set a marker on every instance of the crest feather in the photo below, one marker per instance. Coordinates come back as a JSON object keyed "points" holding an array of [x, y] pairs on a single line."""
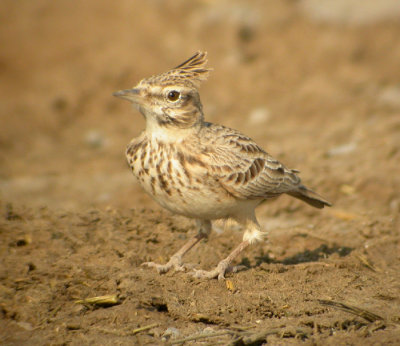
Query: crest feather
{"points": [[190, 72], [194, 68]]}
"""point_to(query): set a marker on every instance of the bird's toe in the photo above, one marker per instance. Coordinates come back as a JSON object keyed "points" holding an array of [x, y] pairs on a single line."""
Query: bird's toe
{"points": [[174, 262], [204, 274], [235, 269], [161, 268], [218, 272]]}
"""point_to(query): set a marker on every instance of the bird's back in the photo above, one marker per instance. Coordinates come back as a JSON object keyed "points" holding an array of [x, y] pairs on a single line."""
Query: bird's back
{"points": [[246, 171]]}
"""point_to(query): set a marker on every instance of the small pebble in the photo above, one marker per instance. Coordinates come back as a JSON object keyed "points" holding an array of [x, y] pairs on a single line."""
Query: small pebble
{"points": [[25, 325], [259, 116], [390, 96], [342, 149], [169, 333], [94, 139], [347, 189], [395, 205]]}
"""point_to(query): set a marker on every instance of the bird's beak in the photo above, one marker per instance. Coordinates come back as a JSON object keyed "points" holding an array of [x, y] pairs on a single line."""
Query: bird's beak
{"points": [[132, 95]]}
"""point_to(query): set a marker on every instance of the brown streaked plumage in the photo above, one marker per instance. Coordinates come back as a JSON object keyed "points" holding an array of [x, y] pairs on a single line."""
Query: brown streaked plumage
{"points": [[202, 170]]}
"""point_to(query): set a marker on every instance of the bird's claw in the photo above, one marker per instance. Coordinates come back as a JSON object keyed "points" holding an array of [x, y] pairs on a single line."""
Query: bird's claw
{"points": [[219, 272], [174, 262]]}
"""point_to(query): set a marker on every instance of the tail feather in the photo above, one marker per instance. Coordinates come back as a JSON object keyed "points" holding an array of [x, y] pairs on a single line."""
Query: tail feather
{"points": [[310, 197]]}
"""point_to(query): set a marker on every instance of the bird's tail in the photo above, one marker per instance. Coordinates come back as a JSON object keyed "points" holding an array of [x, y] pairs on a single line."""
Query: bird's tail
{"points": [[310, 197]]}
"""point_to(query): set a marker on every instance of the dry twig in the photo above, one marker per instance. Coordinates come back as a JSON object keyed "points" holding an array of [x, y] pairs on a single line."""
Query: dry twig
{"points": [[201, 336], [108, 300], [142, 329], [369, 316]]}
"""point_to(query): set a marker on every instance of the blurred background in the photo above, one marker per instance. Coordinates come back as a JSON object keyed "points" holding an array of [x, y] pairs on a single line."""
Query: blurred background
{"points": [[315, 82]]}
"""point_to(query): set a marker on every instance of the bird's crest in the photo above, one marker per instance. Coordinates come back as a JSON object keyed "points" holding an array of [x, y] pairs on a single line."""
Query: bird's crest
{"points": [[192, 71]]}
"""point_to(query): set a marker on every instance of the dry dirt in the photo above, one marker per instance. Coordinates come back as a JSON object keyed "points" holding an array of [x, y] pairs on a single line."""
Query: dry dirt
{"points": [[321, 93]]}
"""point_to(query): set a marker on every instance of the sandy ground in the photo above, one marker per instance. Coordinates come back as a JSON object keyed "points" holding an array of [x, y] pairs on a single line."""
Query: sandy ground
{"points": [[316, 84]]}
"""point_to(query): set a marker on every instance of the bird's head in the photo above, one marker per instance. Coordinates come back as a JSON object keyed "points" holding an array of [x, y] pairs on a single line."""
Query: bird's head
{"points": [[171, 101]]}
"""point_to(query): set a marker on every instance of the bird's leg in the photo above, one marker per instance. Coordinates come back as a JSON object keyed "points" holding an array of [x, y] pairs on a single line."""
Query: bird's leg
{"points": [[176, 259], [224, 266], [253, 233]]}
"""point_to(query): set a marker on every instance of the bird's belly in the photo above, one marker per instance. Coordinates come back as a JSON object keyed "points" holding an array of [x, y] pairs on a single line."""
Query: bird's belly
{"points": [[200, 204], [194, 195]]}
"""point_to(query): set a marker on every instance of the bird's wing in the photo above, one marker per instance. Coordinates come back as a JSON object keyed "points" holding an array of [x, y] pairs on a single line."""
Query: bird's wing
{"points": [[243, 168]]}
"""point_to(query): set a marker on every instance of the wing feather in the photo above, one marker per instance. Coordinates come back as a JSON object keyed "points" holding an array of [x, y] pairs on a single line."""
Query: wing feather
{"points": [[243, 168]]}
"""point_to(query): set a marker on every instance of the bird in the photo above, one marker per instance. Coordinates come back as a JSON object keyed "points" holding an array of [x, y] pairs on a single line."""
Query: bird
{"points": [[201, 170]]}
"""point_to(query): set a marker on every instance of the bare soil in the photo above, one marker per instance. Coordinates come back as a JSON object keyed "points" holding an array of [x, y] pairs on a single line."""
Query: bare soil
{"points": [[321, 96]]}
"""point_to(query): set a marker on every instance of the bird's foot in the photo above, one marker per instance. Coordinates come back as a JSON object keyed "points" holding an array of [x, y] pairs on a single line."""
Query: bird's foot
{"points": [[220, 270], [174, 262]]}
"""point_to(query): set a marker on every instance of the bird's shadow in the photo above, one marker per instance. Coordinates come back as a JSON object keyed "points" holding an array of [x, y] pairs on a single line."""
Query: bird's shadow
{"points": [[322, 251]]}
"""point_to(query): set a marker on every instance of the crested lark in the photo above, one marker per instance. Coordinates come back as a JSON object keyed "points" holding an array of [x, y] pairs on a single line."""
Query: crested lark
{"points": [[199, 169]]}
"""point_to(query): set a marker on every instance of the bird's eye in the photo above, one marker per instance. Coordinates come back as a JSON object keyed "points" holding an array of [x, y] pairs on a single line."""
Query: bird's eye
{"points": [[173, 95]]}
